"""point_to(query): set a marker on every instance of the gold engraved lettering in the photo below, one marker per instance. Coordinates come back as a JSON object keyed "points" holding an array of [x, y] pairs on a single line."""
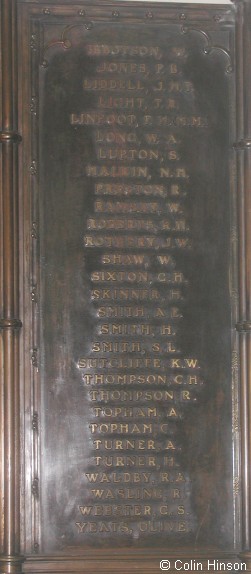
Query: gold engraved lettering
{"points": [[179, 172], [121, 428], [124, 444], [117, 312], [172, 104], [192, 122], [122, 67], [165, 260], [115, 137], [117, 347], [172, 413], [125, 294], [127, 329], [119, 363], [118, 276], [127, 461], [116, 510], [101, 527], [124, 103], [112, 84], [192, 380], [121, 312], [174, 277], [172, 477], [173, 155], [132, 396], [169, 348], [185, 364], [152, 138], [181, 87], [116, 171], [157, 102], [132, 154], [159, 68], [120, 50], [175, 86], [99, 118], [163, 526], [148, 120], [94, 118], [159, 87], [122, 477], [166, 330], [139, 235], [124, 259], [142, 493], [172, 312], [131, 379], [169, 461], [122, 189], [164, 510], [132, 207], [179, 225], [81, 526], [175, 295], [136, 242], [186, 395], [126, 412], [175, 189], [170, 445]]}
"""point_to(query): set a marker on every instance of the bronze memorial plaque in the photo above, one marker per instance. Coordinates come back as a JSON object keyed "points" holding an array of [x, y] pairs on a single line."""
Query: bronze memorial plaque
{"points": [[135, 311], [127, 428]]}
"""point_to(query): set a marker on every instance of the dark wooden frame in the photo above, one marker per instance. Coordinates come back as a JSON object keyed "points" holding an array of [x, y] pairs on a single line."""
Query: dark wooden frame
{"points": [[13, 297]]}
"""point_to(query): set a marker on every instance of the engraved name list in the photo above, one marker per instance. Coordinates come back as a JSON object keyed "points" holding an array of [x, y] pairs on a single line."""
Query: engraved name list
{"points": [[141, 377]]}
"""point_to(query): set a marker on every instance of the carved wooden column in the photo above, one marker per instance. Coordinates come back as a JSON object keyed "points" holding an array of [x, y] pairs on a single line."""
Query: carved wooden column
{"points": [[243, 148], [10, 324]]}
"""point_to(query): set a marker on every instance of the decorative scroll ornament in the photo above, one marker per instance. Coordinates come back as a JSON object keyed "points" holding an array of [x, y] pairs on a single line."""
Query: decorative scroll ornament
{"points": [[64, 42], [209, 47]]}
